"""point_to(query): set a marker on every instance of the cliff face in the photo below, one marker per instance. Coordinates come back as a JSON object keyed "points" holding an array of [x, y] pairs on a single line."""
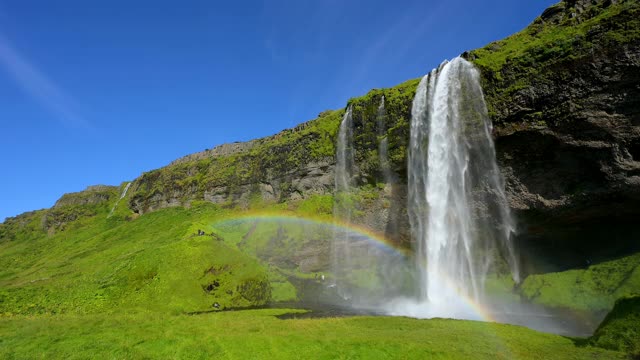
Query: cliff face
{"points": [[567, 110], [291, 164], [73, 206], [564, 96]]}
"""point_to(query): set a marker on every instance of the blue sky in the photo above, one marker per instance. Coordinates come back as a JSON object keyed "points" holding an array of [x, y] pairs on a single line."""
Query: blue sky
{"points": [[97, 92]]}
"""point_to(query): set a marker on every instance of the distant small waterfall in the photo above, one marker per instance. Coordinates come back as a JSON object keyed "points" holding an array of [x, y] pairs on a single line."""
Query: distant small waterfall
{"points": [[366, 270], [124, 193], [383, 144], [460, 221]]}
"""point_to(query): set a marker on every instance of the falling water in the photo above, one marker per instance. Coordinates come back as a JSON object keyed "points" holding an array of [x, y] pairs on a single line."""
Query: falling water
{"points": [[344, 154], [124, 193], [341, 245], [459, 218], [383, 145]]}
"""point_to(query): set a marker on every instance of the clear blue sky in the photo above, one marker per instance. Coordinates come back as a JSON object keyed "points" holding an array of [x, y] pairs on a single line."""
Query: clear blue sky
{"points": [[96, 92]]}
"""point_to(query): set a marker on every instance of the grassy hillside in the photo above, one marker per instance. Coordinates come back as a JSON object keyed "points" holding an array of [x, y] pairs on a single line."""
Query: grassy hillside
{"points": [[105, 258], [109, 263]]}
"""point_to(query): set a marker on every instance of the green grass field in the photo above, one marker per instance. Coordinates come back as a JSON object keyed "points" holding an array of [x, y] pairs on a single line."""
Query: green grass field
{"points": [[258, 334]]}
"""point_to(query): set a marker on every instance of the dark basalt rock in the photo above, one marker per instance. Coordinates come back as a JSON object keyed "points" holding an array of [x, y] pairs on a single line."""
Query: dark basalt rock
{"points": [[567, 144]]}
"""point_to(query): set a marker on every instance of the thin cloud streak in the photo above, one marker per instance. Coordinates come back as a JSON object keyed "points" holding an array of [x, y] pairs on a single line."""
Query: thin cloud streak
{"points": [[39, 86], [399, 40]]}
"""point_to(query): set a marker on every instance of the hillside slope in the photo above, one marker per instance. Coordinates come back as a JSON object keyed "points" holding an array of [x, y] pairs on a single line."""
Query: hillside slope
{"points": [[109, 262]]}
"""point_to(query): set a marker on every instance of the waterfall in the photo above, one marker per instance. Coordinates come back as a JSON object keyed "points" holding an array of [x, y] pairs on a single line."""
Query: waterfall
{"points": [[341, 245], [344, 154], [124, 193], [383, 145], [460, 221]]}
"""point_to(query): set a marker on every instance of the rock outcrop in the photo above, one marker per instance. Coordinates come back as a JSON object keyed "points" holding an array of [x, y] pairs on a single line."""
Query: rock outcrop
{"points": [[73, 206], [92, 195], [287, 166]]}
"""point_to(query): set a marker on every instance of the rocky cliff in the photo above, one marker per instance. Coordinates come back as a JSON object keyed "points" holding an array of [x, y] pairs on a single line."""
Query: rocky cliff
{"points": [[291, 164], [564, 96]]}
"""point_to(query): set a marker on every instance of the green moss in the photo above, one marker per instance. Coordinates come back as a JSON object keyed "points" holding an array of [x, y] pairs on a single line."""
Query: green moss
{"points": [[501, 287], [620, 330], [281, 289], [398, 100], [595, 288], [315, 205]]}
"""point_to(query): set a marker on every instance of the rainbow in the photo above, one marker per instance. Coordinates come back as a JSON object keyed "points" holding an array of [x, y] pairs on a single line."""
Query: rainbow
{"points": [[481, 311], [362, 233], [472, 309]]}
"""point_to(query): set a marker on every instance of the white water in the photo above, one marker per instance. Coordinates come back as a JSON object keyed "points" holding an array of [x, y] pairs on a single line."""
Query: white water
{"points": [[460, 222], [341, 244], [344, 154], [124, 193]]}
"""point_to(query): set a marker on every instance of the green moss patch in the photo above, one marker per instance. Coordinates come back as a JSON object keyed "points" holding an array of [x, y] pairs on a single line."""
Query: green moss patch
{"points": [[595, 288], [620, 330]]}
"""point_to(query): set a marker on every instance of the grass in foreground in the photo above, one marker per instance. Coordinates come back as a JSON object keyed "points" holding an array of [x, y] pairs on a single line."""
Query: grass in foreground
{"points": [[258, 334]]}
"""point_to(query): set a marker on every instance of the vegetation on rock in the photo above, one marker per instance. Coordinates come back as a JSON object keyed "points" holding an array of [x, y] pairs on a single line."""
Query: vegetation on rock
{"points": [[545, 53]]}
